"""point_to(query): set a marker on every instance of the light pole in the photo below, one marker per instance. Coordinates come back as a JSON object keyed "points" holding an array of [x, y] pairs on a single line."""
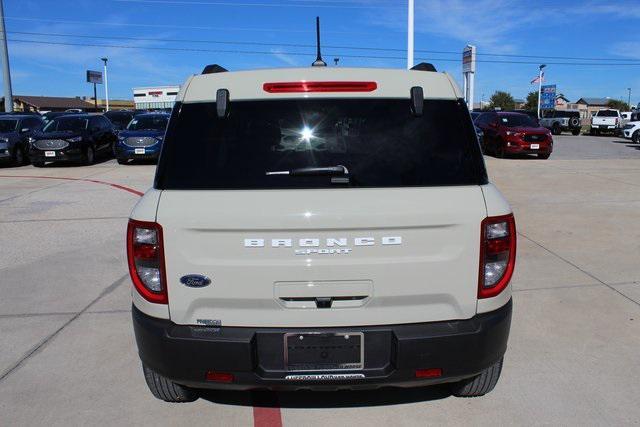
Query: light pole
{"points": [[410, 35], [629, 98], [540, 86], [6, 73], [106, 83]]}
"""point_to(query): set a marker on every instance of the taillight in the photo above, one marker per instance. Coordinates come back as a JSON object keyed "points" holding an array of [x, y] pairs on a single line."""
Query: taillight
{"points": [[146, 260], [497, 254], [294, 87]]}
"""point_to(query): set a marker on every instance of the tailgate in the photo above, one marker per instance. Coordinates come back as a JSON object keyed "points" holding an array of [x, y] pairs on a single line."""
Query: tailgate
{"points": [[295, 258]]}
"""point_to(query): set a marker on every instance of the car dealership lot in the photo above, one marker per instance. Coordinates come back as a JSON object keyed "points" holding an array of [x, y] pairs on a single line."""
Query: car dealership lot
{"points": [[67, 354]]}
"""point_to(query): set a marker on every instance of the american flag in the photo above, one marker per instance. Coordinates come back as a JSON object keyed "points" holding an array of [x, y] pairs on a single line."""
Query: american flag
{"points": [[537, 79]]}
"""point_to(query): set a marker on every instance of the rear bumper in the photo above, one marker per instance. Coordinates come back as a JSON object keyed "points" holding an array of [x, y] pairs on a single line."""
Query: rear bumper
{"points": [[255, 356]]}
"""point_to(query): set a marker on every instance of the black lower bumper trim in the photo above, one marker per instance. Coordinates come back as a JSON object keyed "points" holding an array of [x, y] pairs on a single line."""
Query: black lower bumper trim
{"points": [[255, 356]]}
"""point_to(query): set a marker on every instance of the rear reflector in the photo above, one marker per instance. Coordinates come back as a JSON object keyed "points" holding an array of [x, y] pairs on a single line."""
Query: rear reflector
{"points": [[497, 254], [146, 260], [219, 377], [294, 87], [429, 373]]}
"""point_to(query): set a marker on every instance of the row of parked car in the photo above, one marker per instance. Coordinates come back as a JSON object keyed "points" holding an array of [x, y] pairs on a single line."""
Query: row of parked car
{"points": [[80, 137]]}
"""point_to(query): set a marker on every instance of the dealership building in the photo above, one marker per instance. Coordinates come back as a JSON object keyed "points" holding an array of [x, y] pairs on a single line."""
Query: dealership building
{"points": [[155, 98]]}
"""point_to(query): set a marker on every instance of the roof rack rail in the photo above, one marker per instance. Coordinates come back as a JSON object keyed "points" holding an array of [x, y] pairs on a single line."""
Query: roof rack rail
{"points": [[424, 66], [213, 68]]}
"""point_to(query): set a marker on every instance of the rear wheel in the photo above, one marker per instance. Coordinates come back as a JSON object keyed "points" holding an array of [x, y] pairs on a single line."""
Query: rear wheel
{"points": [[575, 132], [89, 156], [19, 158], [479, 385], [165, 389], [636, 137]]}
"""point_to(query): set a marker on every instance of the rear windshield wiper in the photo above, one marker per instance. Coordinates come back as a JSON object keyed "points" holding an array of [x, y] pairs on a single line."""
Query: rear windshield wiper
{"points": [[311, 171]]}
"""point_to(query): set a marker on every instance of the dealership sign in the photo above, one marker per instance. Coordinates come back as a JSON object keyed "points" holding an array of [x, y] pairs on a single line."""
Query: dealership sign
{"points": [[94, 77], [547, 97], [469, 59]]}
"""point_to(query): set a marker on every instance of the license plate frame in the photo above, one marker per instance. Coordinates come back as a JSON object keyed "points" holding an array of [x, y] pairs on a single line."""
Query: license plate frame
{"points": [[535, 146], [49, 153], [140, 151], [324, 342]]}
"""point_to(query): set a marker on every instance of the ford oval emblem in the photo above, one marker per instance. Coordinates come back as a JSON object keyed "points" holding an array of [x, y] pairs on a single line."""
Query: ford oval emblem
{"points": [[195, 280]]}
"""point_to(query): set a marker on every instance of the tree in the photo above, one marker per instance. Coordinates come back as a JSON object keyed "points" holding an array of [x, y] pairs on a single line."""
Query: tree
{"points": [[618, 105], [502, 100], [532, 101]]}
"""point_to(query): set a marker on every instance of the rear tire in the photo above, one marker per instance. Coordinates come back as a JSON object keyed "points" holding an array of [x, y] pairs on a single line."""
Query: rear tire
{"points": [[165, 389], [19, 157], [575, 132], [89, 157], [480, 384]]}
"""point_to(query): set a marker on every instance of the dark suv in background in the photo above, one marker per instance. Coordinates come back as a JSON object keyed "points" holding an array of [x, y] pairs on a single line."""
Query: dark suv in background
{"points": [[73, 137], [15, 131], [142, 139], [120, 119], [559, 121]]}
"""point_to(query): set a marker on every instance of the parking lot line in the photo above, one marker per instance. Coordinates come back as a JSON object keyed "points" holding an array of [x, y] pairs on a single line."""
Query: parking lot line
{"points": [[95, 181]]}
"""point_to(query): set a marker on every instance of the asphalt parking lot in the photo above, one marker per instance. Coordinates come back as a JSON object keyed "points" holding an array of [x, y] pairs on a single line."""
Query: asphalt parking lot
{"points": [[67, 354]]}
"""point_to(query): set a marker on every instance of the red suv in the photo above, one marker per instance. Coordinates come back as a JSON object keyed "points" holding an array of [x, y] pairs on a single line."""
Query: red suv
{"points": [[514, 133]]}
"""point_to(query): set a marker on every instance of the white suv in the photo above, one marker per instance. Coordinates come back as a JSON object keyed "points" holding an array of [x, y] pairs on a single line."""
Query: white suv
{"points": [[321, 228]]}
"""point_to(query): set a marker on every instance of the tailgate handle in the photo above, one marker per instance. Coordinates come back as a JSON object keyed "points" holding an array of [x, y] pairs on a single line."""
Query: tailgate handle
{"points": [[324, 302]]}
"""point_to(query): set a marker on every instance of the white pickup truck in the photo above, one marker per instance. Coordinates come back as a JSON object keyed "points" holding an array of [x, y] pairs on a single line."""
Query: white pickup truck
{"points": [[606, 120]]}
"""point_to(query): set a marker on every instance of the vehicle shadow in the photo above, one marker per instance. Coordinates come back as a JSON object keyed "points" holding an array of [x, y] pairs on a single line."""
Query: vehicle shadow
{"points": [[322, 399]]}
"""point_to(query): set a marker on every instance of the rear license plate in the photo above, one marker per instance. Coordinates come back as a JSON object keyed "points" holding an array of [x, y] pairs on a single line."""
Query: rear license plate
{"points": [[535, 146], [339, 351], [49, 153], [139, 151]]}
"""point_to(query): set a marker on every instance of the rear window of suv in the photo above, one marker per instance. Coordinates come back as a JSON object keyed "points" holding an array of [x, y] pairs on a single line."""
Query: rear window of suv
{"points": [[607, 113], [379, 141]]}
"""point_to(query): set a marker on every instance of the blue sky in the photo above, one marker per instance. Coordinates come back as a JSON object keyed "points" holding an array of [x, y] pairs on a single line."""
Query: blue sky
{"points": [[570, 28]]}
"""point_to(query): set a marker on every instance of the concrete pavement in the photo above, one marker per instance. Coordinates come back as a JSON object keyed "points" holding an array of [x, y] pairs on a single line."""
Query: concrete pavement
{"points": [[67, 354]]}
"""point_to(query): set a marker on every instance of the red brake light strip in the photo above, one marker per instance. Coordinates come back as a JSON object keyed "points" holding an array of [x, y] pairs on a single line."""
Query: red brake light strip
{"points": [[296, 87]]}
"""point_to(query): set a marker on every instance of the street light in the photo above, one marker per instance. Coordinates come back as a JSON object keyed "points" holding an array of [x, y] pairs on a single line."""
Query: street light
{"points": [[540, 86], [629, 98], [106, 83]]}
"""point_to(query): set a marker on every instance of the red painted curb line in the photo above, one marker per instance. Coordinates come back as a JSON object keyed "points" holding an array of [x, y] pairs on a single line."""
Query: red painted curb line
{"points": [[267, 417], [95, 181]]}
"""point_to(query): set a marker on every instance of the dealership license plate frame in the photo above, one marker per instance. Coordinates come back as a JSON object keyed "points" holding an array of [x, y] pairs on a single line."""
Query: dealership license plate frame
{"points": [[314, 366], [49, 153], [140, 151], [535, 146]]}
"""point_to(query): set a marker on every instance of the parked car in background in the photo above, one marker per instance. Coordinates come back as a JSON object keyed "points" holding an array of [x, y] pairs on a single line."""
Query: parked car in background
{"points": [[49, 116], [626, 116], [142, 139], [507, 133], [559, 121], [632, 131], [15, 131], [120, 119], [606, 121], [72, 137]]}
